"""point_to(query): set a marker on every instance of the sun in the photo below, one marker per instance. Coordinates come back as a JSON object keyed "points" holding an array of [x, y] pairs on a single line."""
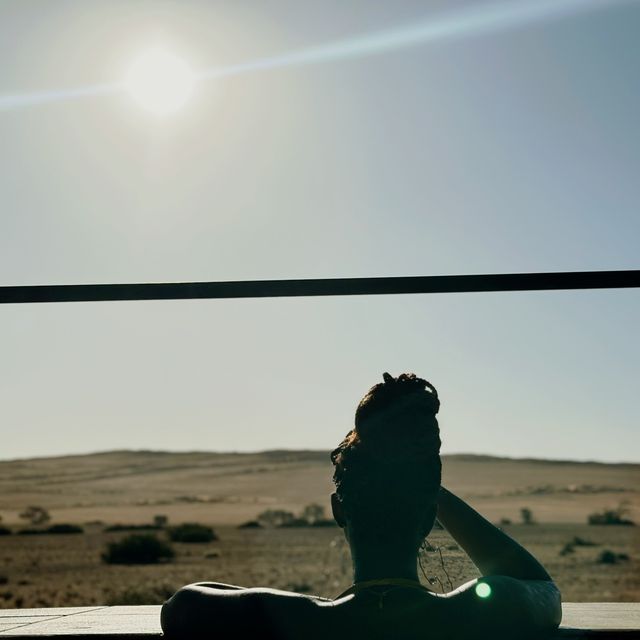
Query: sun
{"points": [[160, 81]]}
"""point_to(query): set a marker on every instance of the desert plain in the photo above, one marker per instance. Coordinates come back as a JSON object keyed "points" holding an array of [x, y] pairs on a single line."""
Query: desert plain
{"points": [[226, 490]]}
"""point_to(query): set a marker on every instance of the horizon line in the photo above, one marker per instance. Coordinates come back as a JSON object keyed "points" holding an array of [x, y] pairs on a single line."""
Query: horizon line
{"points": [[323, 451]]}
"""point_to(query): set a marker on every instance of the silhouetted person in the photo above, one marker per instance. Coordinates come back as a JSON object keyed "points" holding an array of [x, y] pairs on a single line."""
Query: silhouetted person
{"points": [[388, 494]]}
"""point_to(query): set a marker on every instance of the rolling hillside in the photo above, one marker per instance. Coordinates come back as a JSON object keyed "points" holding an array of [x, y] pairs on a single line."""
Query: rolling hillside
{"points": [[228, 488]]}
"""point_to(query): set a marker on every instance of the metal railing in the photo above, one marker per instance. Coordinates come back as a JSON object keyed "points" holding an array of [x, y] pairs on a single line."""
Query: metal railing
{"points": [[321, 287]]}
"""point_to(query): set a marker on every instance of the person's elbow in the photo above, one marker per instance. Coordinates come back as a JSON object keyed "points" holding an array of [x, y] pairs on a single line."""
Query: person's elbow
{"points": [[550, 609], [543, 610], [532, 608]]}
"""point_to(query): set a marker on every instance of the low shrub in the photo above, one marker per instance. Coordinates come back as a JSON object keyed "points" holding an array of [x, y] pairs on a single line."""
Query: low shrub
{"points": [[5, 531], [36, 515], [295, 522], [251, 524], [53, 529], [608, 517], [611, 557], [192, 532], [576, 541], [311, 516], [64, 528], [138, 549], [611, 516], [275, 517], [132, 527]]}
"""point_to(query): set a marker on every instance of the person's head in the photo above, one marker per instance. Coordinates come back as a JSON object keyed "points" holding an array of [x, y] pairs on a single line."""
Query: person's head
{"points": [[387, 469]]}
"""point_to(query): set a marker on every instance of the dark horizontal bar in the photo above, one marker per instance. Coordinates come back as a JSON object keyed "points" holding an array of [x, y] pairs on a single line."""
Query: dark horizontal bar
{"points": [[321, 287]]}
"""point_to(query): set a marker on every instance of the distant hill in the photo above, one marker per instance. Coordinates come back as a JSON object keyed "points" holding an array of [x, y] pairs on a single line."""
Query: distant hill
{"points": [[132, 486]]}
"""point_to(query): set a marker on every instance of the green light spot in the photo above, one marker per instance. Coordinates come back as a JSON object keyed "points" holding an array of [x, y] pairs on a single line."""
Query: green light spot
{"points": [[483, 590]]}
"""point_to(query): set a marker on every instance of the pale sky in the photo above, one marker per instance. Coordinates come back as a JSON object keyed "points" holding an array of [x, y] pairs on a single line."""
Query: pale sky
{"points": [[505, 148]]}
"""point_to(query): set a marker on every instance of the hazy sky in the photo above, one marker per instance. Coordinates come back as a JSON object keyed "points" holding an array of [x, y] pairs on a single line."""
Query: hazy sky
{"points": [[514, 148]]}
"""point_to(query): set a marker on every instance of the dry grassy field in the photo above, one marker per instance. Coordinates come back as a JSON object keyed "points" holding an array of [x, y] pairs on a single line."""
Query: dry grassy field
{"points": [[224, 490]]}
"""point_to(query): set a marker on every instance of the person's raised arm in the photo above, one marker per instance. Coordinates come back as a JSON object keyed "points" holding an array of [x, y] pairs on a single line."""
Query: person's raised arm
{"points": [[519, 595], [490, 549]]}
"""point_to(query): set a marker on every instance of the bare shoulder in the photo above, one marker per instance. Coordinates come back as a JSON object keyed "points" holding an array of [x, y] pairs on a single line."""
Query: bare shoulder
{"points": [[201, 609]]}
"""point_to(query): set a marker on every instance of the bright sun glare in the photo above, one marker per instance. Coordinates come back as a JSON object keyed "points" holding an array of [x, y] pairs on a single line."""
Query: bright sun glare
{"points": [[160, 82]]}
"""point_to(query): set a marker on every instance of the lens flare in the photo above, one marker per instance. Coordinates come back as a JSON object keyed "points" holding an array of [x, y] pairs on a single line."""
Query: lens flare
{"points": [[483, 590], [162, 82]]}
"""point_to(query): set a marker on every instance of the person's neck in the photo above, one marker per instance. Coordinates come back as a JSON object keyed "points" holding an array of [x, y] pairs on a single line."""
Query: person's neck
{"points": [[375, 563]]}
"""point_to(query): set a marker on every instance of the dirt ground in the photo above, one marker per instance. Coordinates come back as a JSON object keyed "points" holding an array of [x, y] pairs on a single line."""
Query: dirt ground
{"points": [[66, 570]]}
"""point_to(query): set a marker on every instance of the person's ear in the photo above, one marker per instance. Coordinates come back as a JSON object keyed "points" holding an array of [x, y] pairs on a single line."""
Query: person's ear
{"points": [[336, 508]]}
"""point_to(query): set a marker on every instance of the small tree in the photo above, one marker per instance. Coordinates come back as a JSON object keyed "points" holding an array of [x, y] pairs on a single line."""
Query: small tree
{"points": [[276, 518], [313, 512], [160, 521], [527, 516], [36, 515]]}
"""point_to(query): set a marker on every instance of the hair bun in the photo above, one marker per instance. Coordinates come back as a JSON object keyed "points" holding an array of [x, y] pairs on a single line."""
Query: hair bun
{"points": [[406, 386]]}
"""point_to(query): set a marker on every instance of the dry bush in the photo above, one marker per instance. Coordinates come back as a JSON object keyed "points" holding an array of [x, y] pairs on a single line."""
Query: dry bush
{"points": [[577, 541], [192, 532], [131, 527], [275, 517], [138, 549], [35, 515], [611, 557], [611, 516]]}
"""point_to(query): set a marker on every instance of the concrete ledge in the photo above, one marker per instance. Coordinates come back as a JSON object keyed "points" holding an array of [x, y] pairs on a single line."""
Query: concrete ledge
{"points": [[81, 622], [601, 620]]}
